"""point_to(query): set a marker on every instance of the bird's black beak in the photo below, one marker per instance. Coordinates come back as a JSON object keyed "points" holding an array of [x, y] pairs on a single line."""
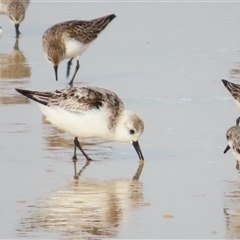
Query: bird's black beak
{"points": [[17, 30], [226, 149], [56, 71], [138, 150]]}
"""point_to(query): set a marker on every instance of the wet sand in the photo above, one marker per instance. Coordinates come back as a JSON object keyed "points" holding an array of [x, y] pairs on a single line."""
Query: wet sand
{"points": [[165, 60]]}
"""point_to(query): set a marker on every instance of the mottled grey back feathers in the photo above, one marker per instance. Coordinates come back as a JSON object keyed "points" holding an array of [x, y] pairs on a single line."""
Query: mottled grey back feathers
{"points": [[77, 100], [80, 100], [83, 31]]}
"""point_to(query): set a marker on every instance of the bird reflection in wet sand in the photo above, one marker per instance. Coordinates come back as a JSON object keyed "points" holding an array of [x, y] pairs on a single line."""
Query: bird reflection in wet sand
{"points": [[85, 209], [77, 174], [89, 112], [14, 71], [231, 210], [14, 65], [15, 9]]}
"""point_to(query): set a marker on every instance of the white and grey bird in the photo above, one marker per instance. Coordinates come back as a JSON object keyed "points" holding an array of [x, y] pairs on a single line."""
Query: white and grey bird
{"points": [[15, 9], [70, 39], [89, 112], [234, 89], [233, 139]]}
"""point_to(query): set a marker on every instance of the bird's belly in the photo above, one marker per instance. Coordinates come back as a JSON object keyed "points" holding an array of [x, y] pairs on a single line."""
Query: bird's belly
{"points": [[236, 155], [74, 48], [91, 124]]}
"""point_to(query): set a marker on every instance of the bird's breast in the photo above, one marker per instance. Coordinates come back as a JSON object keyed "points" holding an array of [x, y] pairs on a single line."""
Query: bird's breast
{"points": [[74, 48]]}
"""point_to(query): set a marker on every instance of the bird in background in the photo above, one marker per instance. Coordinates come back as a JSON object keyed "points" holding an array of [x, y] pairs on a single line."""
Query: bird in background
{"points": [[233, 133], [234, 89], [89, 112], [233, 139], [70, 39], [15, 9]]}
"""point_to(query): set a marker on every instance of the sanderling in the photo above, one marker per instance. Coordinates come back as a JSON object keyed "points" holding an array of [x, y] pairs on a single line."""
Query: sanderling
{"points": [[70, 39], [233, 138], [15, 9], [89, 112], [234, 89]]}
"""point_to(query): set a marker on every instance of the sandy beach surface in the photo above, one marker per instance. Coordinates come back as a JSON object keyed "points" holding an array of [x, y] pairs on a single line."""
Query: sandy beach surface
{"points": [[166, 62]]}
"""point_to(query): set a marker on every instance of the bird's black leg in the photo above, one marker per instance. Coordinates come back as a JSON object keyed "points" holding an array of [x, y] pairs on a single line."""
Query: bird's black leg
{"points": [[76, 69], [69, 63], [17, 30], [77, 144], [237, 121]]}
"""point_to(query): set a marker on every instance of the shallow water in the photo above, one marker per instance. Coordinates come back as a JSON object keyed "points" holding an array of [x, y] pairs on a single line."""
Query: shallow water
{"points": [[165, 60]]}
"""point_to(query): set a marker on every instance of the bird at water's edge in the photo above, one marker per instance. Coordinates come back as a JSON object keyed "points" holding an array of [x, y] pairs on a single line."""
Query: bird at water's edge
{"points": [[89, 112], [15, 9], [233, 139], [70, 39], [234, 89]]}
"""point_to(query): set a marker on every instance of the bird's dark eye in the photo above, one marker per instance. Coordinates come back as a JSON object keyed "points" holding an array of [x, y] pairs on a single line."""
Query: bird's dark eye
{"points": [[131, 131]]}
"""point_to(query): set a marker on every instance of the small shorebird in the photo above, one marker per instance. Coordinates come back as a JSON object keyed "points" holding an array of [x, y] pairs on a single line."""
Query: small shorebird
{"points": [[70, 39], [15, 9], [1, 31], [89, 112], [233, 138], [234, 89]]}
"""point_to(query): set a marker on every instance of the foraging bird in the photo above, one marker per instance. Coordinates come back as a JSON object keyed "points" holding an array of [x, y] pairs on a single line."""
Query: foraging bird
{"points": [[70, 39], [233, 138], [15, 9], [89, 112], [234, 89]]}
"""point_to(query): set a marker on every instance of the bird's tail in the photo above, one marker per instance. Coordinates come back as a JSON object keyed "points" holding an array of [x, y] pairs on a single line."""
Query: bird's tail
{"points": [[102, 22], [40, 97], [233, 88]]}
